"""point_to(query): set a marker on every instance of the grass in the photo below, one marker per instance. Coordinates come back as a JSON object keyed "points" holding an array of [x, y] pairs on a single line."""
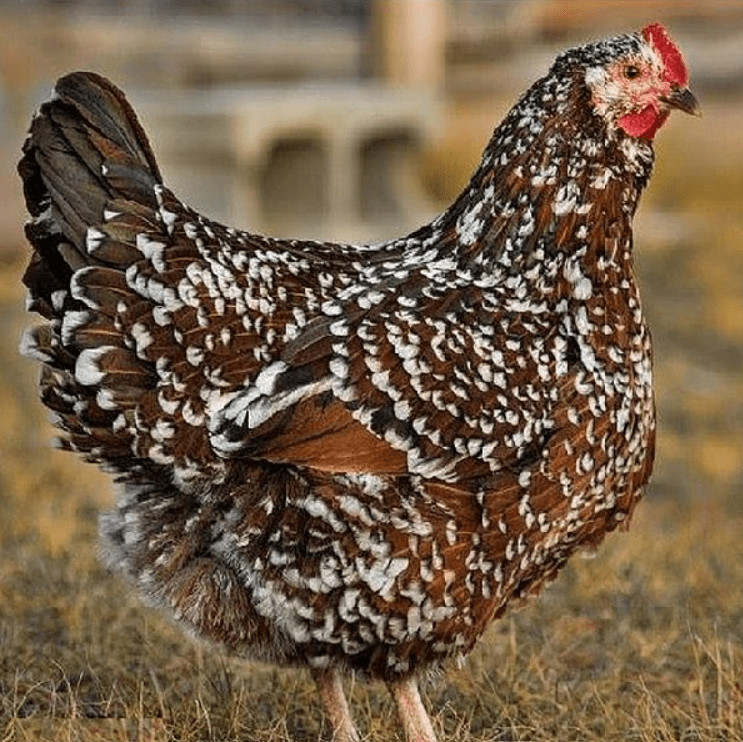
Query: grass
{"points": [[643, 643]]}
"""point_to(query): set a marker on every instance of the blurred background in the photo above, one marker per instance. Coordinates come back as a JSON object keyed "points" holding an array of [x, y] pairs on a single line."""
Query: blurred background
{"points": [[359, 120], [332, 118]]}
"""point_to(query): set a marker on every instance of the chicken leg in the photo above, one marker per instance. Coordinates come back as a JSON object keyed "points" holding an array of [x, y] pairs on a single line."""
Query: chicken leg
{"points": [[411, 712], [336, 707]]}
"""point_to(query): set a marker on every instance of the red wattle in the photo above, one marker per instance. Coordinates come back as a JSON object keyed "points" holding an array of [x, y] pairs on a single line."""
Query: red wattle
{"points": [[643, 124]]}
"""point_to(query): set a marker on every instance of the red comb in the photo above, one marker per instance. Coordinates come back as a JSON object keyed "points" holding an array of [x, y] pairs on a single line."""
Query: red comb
{"points": [[675, 69]]}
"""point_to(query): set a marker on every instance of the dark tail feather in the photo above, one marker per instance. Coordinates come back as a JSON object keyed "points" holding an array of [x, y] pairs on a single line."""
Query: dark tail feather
{"points": [[89, 178], [85, 153]]}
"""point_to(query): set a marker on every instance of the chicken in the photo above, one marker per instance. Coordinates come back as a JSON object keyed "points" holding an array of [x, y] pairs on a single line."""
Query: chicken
{"points": [[354, 458]]}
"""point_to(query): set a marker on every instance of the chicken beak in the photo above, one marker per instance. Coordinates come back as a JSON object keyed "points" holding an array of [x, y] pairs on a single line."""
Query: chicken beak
{"points": [[683, 100]]}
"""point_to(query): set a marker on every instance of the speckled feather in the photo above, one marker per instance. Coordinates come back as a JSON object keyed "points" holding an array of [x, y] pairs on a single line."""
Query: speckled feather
{"points": [[337, 455]]}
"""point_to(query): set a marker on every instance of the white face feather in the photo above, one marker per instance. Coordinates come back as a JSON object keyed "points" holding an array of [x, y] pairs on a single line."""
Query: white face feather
{"points": [[616, 94]]}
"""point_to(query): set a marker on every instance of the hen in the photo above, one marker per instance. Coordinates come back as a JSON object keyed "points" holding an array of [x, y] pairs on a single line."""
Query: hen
{"points": [[355, 458]]}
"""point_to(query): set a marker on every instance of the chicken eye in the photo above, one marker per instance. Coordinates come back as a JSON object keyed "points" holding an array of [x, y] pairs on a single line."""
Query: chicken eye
{"points": [[631, 71]]}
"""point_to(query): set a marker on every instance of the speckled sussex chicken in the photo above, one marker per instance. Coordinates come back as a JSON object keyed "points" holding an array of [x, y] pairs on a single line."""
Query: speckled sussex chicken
{"points": [[355, 458]]}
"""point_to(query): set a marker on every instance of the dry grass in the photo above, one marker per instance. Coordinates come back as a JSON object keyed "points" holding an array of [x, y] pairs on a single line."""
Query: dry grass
{"points": [[643, 643]]}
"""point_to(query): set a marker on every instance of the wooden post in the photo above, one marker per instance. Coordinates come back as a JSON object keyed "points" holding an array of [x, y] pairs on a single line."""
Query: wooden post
{"points": [[409, 42]]}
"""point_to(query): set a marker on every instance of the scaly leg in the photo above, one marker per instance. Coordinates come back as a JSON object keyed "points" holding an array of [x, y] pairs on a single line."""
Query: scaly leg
{"points": [[334, 702], [413, 716]]}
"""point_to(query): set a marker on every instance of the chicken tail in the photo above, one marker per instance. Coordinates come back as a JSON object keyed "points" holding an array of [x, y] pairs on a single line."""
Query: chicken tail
{"points": [[91, 186], [86, 157]]}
